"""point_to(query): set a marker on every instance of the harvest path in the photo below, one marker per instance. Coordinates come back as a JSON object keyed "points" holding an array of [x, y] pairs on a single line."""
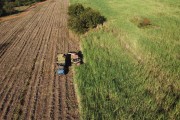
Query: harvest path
{"points": [[29, 86]]}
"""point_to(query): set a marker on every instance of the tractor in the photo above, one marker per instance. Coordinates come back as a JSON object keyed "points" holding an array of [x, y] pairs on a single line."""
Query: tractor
{"points": [[66, 60]]}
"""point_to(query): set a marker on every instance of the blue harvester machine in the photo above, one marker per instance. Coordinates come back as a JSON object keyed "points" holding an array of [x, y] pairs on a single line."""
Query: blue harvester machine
{"points": [[65, 60]]}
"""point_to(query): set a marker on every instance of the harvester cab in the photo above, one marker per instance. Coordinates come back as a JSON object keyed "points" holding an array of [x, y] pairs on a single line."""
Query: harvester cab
{"points": [[60, 71]]}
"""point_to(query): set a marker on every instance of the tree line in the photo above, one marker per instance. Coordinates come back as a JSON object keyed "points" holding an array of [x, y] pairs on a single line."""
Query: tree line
{"points": [[7, 6]]}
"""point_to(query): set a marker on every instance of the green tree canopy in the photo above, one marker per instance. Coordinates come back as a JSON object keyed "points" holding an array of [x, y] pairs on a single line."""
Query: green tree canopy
{"points": [[82, 19]]}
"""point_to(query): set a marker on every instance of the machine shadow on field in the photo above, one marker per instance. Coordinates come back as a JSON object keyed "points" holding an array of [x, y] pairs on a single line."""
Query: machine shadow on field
{"points": [[67, 63], [81, 56]]}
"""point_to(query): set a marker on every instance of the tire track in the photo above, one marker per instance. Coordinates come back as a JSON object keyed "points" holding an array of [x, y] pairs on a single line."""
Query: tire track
{"points": [[11, 64], [15, 74], [10, 83], [17, 34], [13, 86], [47, 73], [30, 61], [29, 87], [39, 73], [18, 23], [20, 48], [21, 60]]}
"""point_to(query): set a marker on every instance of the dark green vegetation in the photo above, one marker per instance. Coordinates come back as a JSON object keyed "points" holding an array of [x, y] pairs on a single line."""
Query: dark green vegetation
{"points": [[7, 7], [1, 8], [132, 62], [82, 19]]}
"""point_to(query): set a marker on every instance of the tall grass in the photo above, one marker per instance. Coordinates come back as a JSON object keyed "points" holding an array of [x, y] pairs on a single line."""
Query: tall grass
{"points": [[131, 72]]}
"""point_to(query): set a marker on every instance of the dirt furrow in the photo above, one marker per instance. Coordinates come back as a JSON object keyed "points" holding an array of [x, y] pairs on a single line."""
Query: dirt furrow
{"points": [[48, 73], [47, 83], [29, 85], [19, 63], [46, 37], [50, 61], [39, 78], [18, 24], [30, 68], [72, 104], [16, 38], [28, 46], [33, 72], [7, 32], [19, 27], [62, 100], [55, 99], [20, 48], [10, 83], [12, 89], [56, 84], [2, 24], [62, 79]]}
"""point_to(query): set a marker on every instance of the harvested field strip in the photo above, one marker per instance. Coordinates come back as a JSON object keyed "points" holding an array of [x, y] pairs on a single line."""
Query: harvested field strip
{"points": [[38, 70], [22, 59], [15, 35], [19, 26], [18, 21], [45, 69], [31, 28], [29, 86], [25, 49]]}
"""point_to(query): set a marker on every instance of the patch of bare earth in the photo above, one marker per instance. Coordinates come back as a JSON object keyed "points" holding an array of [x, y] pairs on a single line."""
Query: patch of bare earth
{"points": [[29, 86]]}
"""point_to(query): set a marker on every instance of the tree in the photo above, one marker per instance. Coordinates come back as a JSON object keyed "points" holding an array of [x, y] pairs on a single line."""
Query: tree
{"points": [[82, 19], [75, 10], [1, 8], [93, 18], [79, 25], [8, 7]]}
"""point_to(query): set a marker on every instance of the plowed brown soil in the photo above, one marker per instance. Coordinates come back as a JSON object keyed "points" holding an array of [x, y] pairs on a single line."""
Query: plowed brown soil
{"points": [[29, 85]]}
